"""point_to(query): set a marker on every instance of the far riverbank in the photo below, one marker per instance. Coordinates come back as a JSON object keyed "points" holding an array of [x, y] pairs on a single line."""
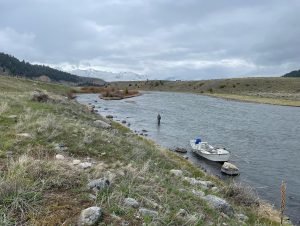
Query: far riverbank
{"points": [[271, 90]]}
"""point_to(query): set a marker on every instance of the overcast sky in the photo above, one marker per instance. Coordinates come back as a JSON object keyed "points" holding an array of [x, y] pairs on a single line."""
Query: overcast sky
{"points": [[184, 39]]}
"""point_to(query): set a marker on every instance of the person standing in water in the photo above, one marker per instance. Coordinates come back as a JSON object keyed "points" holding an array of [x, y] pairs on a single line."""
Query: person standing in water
{"points": [[158, 119]]}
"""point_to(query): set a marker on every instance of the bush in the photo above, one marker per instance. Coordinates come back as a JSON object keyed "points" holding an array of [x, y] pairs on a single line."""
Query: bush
{"points": [[222, 86], [210, 90], [241, 195]]}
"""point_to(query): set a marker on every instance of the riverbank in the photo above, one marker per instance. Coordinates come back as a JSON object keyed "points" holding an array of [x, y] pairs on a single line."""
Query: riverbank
{"points": [[255, 99], [272, 90], [57, 156]]}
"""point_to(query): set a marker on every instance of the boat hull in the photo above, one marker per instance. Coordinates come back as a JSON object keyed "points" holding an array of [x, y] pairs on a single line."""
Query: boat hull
{"points": [[213, 157]]}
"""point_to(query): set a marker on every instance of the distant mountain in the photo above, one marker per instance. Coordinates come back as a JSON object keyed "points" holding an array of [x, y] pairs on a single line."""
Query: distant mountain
{"points": [[10, 65], [292, 74], [109, 76]]}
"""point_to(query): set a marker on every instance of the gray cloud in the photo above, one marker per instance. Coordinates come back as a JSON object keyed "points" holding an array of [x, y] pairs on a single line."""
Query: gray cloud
{"points": [[192, 39]]}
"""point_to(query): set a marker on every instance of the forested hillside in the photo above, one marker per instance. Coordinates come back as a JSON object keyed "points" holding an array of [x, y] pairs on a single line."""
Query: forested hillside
{"points": [[293, 74], [10, 65]]}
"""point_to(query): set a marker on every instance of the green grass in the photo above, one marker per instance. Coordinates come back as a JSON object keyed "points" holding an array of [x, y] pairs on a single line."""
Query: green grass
{"points": [[36, 189]]}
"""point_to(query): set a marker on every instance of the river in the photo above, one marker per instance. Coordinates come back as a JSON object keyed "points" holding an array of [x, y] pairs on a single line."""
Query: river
{"points": [[264, 140]]}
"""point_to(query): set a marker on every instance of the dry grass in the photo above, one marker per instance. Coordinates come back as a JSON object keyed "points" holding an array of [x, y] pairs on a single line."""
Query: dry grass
{"points": [[241, 194], [3, 107]]}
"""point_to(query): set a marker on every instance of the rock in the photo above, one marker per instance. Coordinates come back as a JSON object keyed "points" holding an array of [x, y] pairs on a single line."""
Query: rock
{"points": [[26, 135], [180, 150], [241, 217], [109, 116], [219, 204], [198, 193], [131, 202], [101, 124], [148, 213], [203, 184], [59, 157], [99, 184], [90, 216], [124, 121], [106, 110], [175, 172], [39, 96], [76, 161], [229, 169], [85, 165], [190, 219], [144, 131], [215, 189]]}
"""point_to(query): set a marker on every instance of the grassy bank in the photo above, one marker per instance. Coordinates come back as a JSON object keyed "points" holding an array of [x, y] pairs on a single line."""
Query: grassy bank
{"points": [[279, 91], [37, 187]]}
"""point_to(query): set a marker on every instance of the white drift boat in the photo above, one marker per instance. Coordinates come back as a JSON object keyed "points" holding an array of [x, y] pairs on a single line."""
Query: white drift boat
{"points": [[207, 151]]}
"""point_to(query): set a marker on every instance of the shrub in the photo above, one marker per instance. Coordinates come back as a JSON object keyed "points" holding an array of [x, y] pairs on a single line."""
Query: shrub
{"points": [[241, 195], [222, 86], [210, 90]]}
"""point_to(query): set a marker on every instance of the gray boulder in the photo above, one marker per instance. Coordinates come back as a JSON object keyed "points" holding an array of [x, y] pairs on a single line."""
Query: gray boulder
{"points": [[148, 213], [101, 124], [90, 216], [131, 202], [219, 204], [175, 172], [202, 183], [99, 184]]}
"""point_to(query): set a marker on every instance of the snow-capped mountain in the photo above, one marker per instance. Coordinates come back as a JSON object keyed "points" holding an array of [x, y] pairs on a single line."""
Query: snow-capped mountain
{"points": [[109, 76]]}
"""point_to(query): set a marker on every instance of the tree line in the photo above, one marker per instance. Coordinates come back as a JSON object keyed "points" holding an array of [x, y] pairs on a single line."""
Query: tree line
{"points": [[12, 66]]}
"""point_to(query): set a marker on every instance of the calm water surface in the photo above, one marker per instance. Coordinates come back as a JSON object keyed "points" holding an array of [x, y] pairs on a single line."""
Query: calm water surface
{"points": [[264, 139]]}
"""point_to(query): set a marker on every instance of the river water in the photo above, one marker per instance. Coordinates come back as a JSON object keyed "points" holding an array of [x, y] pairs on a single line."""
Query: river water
{"points": [[264, 140]]}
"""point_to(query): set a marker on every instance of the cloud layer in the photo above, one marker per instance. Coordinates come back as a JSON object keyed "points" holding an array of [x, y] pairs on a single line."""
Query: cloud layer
{"points": [[191, 39]]}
